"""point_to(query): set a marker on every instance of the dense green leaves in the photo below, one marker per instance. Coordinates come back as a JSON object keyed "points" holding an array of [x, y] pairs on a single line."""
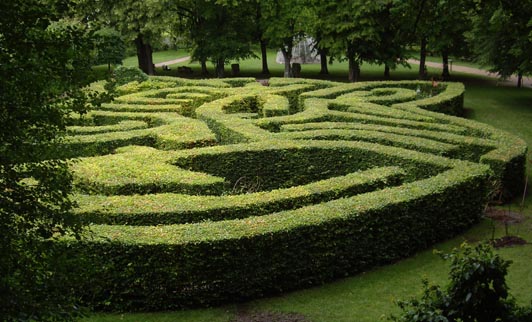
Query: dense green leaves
{"points": [[351, 29], [477, 292], [495, 33], [284, 23], [501, 36], [110, 46], [45, 59]]}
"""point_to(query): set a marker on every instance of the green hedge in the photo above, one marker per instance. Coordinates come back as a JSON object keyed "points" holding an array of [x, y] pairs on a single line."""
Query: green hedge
{"points": [[168, 267], [165, 131], [169, 208], [233, 190]]}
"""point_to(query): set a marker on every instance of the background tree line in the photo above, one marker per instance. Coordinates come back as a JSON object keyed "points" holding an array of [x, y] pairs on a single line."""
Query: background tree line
{"points": [[495, 33]]}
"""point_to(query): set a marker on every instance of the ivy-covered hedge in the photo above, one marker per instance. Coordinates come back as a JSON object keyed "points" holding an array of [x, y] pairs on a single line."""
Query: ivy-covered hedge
{"points": [[201, 192]]}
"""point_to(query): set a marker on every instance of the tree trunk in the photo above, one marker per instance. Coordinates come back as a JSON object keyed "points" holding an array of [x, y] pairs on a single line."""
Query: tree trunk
{"points": [[519, 80], [287, 55], [323, 61], [265, 69], [144, 55], [422, 59], [354, 69], [386, 71], [204, 71], [220, 68], [445, 73]]}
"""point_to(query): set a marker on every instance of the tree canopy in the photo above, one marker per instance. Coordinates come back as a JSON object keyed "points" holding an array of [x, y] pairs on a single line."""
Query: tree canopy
{"points": [[501, 36], [110, 46], [497, 34]]}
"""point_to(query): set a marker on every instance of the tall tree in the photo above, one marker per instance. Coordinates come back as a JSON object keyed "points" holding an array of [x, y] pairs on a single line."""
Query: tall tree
{"points": [[190, 24], [501, 36], [141, 22], [393, 39], [285, 23], [44, 62], [259, 35], [448, 32], [110, 46], [351, 29], [314, 29], [220, 31], [418, 21]]}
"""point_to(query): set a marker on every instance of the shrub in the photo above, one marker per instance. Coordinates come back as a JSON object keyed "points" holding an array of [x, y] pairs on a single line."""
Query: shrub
{"points": [[477, 292]]}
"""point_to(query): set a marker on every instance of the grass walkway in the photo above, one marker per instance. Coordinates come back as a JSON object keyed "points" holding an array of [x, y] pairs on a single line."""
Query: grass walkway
{"points": [[370, 296]]}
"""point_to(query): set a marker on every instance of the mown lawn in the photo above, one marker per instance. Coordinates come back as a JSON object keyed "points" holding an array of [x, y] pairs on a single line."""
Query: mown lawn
{"points": [[370, 296]]}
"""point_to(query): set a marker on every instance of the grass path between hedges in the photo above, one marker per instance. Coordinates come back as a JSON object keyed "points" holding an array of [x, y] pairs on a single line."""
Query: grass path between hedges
{"points": [[370, 296]]}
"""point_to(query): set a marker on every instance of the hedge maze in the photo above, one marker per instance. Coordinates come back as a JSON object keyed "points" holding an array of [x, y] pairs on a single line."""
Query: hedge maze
{"points": [[202, 192]]}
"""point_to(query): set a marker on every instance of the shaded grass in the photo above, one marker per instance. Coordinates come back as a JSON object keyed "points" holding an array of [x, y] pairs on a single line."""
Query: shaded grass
{"points": [[370, 296]]}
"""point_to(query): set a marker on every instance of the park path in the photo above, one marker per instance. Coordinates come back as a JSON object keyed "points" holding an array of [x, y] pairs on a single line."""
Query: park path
{"points": [[175, 61], [512, 81]]}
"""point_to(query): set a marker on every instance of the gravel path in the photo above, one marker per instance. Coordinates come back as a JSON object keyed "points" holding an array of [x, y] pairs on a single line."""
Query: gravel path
{"points": [[512, 81], [171, 62]]}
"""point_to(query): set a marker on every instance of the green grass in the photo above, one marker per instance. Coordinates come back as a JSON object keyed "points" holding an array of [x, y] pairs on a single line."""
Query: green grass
{"points": [[370, 296]]}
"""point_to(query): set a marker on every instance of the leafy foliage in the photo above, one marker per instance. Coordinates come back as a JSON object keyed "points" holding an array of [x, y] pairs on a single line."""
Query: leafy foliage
{"points": [[501, 36], [351, 29], [477, 292], [219, 31], [45, 59], [284, 24]]}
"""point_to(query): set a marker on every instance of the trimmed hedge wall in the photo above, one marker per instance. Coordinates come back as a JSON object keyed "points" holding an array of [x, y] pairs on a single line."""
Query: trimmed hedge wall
{"points": [[200, 192]]}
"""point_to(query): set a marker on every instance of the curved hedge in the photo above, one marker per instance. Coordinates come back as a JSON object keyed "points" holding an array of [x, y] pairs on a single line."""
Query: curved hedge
{"points": [[203, 192]]}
